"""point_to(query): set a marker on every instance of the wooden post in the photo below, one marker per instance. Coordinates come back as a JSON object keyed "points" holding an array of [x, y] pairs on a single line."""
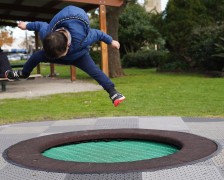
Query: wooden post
{"points": [[52, 73], [72, 73], [104, 48], [36, 47]]}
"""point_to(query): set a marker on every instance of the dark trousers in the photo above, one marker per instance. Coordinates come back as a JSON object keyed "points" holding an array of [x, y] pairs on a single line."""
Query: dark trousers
{"points": [[85, 63]]}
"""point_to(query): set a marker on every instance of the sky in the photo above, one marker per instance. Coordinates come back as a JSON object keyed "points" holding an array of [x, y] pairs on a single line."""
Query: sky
{"points": [[163, 4], [18, 33]]}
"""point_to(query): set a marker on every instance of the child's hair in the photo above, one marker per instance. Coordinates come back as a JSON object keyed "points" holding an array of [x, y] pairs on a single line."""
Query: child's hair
{"points": [[55, 44]]}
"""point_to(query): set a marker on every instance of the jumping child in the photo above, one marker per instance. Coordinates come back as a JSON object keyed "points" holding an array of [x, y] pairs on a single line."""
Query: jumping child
{"points": [[66, 40]]}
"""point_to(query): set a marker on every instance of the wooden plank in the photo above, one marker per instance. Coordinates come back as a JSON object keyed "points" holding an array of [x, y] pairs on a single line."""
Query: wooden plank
{"points": [[35, 76], [117, 3], [31, 76], [104, 47]]}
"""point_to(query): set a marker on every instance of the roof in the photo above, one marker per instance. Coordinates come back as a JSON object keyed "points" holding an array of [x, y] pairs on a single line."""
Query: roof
{"points": [[43, 10]]}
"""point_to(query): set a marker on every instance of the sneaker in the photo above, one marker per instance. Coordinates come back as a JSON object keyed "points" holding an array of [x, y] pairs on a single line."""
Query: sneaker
{"points": [[117, 98], [13, 75]]}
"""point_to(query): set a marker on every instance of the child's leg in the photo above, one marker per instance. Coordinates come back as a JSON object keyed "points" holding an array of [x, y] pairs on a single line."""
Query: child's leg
{"points": [[86, 64], [28, 67]]}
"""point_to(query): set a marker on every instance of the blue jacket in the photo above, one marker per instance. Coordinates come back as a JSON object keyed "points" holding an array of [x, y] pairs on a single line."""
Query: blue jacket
{"points": [[76, 21]]}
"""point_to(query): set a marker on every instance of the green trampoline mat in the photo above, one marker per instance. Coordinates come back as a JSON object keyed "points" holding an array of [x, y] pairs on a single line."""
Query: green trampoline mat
{"points": [[110, 151]]}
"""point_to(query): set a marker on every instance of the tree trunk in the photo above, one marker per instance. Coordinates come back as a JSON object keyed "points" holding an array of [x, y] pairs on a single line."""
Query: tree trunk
{"points": [[115, 68]]}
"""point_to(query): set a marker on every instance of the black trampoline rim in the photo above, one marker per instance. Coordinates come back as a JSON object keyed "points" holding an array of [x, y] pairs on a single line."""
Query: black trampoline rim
{"points": [[17, 156]]}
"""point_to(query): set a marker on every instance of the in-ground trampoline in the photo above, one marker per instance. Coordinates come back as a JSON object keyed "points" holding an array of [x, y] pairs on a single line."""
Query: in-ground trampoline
{"points": [[109, 151]]}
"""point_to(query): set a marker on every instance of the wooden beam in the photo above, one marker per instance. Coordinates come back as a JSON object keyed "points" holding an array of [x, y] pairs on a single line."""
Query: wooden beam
{"points": [[52, 70], [36, 48], [117, 3], [49, 5], [17, 7], [72, 73], [5, 23], [104, 48], [23, 18]]}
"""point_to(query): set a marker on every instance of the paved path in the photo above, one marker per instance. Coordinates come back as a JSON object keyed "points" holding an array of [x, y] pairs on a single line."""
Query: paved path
{"points": [[45, 86], [209, 169]]}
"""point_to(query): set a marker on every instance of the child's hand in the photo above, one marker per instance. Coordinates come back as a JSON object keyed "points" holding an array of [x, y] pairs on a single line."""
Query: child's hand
{"points": [[22, 25], [115, 44]]}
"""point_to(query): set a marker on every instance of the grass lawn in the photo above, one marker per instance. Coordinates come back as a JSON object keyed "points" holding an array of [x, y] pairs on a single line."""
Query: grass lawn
{"points": [[147, 92]]}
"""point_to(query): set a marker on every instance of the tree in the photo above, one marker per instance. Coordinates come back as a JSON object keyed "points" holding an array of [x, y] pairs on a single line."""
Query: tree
{"points": [[113, 13], [28, 43], [5, 37], [181, 17], [179, 24], [113, 26], [202, 48], [115, 68], [219, 48], [215, 10], [136, 30]]}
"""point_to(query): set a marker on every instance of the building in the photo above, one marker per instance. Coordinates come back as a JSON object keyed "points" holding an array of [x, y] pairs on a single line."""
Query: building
{"points": [[153, 5]]}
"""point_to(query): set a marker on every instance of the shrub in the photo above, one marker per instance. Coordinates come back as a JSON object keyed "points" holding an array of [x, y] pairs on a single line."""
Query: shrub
{"points": [[203, 48], [144, 59], [172, 63]]}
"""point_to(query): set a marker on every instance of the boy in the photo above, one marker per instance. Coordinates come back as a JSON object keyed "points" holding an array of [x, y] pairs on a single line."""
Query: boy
{"points": [[66, 40]]}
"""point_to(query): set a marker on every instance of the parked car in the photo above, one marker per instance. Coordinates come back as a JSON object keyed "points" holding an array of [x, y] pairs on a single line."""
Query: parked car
{"points": [[14, 57], [25, 56], [18, 56]]}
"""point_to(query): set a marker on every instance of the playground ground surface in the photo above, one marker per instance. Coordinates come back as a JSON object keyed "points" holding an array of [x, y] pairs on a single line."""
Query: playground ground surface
{"points": [[211, 168]]}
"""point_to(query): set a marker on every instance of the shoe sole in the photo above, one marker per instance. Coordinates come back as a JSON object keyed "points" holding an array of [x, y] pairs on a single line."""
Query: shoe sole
{"points": [[118, 101]]}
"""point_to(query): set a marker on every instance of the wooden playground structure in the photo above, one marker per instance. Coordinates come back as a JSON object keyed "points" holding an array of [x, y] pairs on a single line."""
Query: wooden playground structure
{"points": [[25, 10]]}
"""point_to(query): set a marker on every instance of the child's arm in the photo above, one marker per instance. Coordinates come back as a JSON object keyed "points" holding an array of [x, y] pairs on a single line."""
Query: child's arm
{"points": [[38, 26], [32, 26], [115, 44], [97, 35], [22, 25]]}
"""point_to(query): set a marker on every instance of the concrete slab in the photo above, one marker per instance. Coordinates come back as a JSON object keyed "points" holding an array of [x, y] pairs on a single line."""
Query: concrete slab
{"points": [[210, 169], [162, 123]]}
